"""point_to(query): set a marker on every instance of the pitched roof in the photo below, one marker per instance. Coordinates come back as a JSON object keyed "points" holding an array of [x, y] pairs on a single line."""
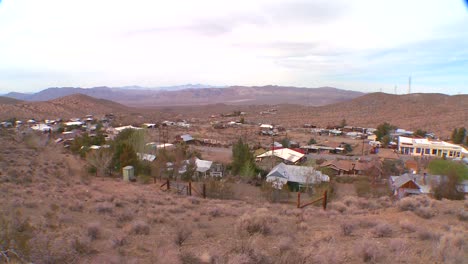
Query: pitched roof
{"points": [[186, 137], [284, 153], [292, 173], [203, 165]]}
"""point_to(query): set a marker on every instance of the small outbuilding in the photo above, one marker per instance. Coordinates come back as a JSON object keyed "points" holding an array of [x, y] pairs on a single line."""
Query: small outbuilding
{"points": [[128, 173]]}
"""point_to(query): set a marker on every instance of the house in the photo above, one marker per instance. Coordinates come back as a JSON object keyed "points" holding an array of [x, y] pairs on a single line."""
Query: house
{"points": [[186, 138], [117, 130], [432, 148], [288, 155], [146, 157], [149, 125], [404, 185], [295, 177], [350, 167], [266, 126], [42, 128], [208, 168], [315, 148], [413, 184]]}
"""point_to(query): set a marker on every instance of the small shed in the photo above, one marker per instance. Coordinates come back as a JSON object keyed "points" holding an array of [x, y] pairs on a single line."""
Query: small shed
{"points": [[128, 173]]}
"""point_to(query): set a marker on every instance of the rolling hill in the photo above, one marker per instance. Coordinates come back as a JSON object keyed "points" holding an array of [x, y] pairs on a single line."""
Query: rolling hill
{"points": [[8, 100], [439, 113], [196, 95], [65, 107]]}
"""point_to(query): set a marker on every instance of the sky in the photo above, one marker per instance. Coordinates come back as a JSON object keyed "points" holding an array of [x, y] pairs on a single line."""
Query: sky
{"points": [[363, 45]]}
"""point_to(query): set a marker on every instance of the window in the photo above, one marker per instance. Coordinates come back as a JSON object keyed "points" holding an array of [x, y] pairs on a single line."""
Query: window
{"points": [[418, 150], [427, 151], [450, 153], [434, 152]]}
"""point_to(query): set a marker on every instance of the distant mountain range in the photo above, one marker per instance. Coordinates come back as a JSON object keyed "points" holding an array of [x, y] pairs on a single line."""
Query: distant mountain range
{"points": [[199, 95]]}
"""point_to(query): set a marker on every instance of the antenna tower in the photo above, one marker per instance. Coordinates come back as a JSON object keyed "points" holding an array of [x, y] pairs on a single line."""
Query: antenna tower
{"points": [[409, 85]]}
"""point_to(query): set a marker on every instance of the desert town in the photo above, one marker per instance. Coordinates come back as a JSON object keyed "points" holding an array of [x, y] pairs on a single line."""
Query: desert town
{"points": [[229, 159], [233, 132]]}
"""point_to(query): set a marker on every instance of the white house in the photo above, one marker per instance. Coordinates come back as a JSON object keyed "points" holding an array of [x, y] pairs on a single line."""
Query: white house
{"points": [[295, 176], [433, 148]]}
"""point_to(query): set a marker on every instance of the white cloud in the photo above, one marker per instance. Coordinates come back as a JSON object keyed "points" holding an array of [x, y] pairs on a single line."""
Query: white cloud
{"points": [[305, 43]]}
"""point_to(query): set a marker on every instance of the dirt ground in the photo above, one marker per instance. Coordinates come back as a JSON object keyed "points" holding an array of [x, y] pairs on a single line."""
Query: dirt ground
{"points": [[56, 213]]}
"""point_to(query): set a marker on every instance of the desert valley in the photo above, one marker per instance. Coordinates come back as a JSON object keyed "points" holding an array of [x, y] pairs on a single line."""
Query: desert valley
{"points": [[88, 180]]}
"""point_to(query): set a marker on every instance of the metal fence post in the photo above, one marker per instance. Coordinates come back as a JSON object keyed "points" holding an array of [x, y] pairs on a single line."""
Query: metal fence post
{"points": [[324, 204], [298, 199]]}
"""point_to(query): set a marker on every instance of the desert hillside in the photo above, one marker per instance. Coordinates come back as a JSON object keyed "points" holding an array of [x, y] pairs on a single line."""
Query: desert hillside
{"points": [[8, 100], [437, 113], [76, 105], [57, 213]]}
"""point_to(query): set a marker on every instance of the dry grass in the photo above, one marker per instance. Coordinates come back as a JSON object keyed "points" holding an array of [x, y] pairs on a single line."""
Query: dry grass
{"points": [[105, 220]]}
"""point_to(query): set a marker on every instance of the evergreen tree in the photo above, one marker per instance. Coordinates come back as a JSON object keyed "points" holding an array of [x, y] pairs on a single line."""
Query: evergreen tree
{"points": [[243, 160], [384, 130], [461, 134], [454, 135], [420, 133]]}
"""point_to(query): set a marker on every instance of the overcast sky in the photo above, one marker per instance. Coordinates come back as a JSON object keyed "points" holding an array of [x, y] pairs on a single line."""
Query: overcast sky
{"points": [[365, 45]]}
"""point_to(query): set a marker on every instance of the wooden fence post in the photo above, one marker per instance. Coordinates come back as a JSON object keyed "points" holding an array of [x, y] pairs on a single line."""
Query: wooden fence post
{"points": [[298, 199], [189, 190], [324, 204], [204, 191], [168, 184]]}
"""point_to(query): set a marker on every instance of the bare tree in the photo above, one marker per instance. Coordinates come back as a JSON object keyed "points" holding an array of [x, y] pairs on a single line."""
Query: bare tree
{"points": [[100, 159]]}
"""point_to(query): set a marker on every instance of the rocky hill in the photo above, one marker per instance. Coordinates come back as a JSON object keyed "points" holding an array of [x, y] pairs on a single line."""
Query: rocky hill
{"points": [[235, 95]]}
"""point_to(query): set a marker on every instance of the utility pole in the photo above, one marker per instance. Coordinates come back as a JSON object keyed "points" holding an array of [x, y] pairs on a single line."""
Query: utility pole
{"points": [[409, 85]]}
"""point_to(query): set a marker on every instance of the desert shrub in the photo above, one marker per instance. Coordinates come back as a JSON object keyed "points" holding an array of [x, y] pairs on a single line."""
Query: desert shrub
{"points": [[140, 227], [367, 223], [104, 207], [408, 226], [397, 245], [176, 210], [76, 206], [452, 248], [219, 189], [345, 179], [194, 200], [118, 241], [462, 215], [368, 251], [424, 212], [338, 206], [47, 249], [189, 258], [272, 194], [214, 212], [247, 252], [408, 204], [383, 230], [428, 235], [384, 201], [125, 216], [347, 228], [94, 230], [82, 245], [285, 244], [363, 188], [15, 233], [258, 222], [182, 234]]}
